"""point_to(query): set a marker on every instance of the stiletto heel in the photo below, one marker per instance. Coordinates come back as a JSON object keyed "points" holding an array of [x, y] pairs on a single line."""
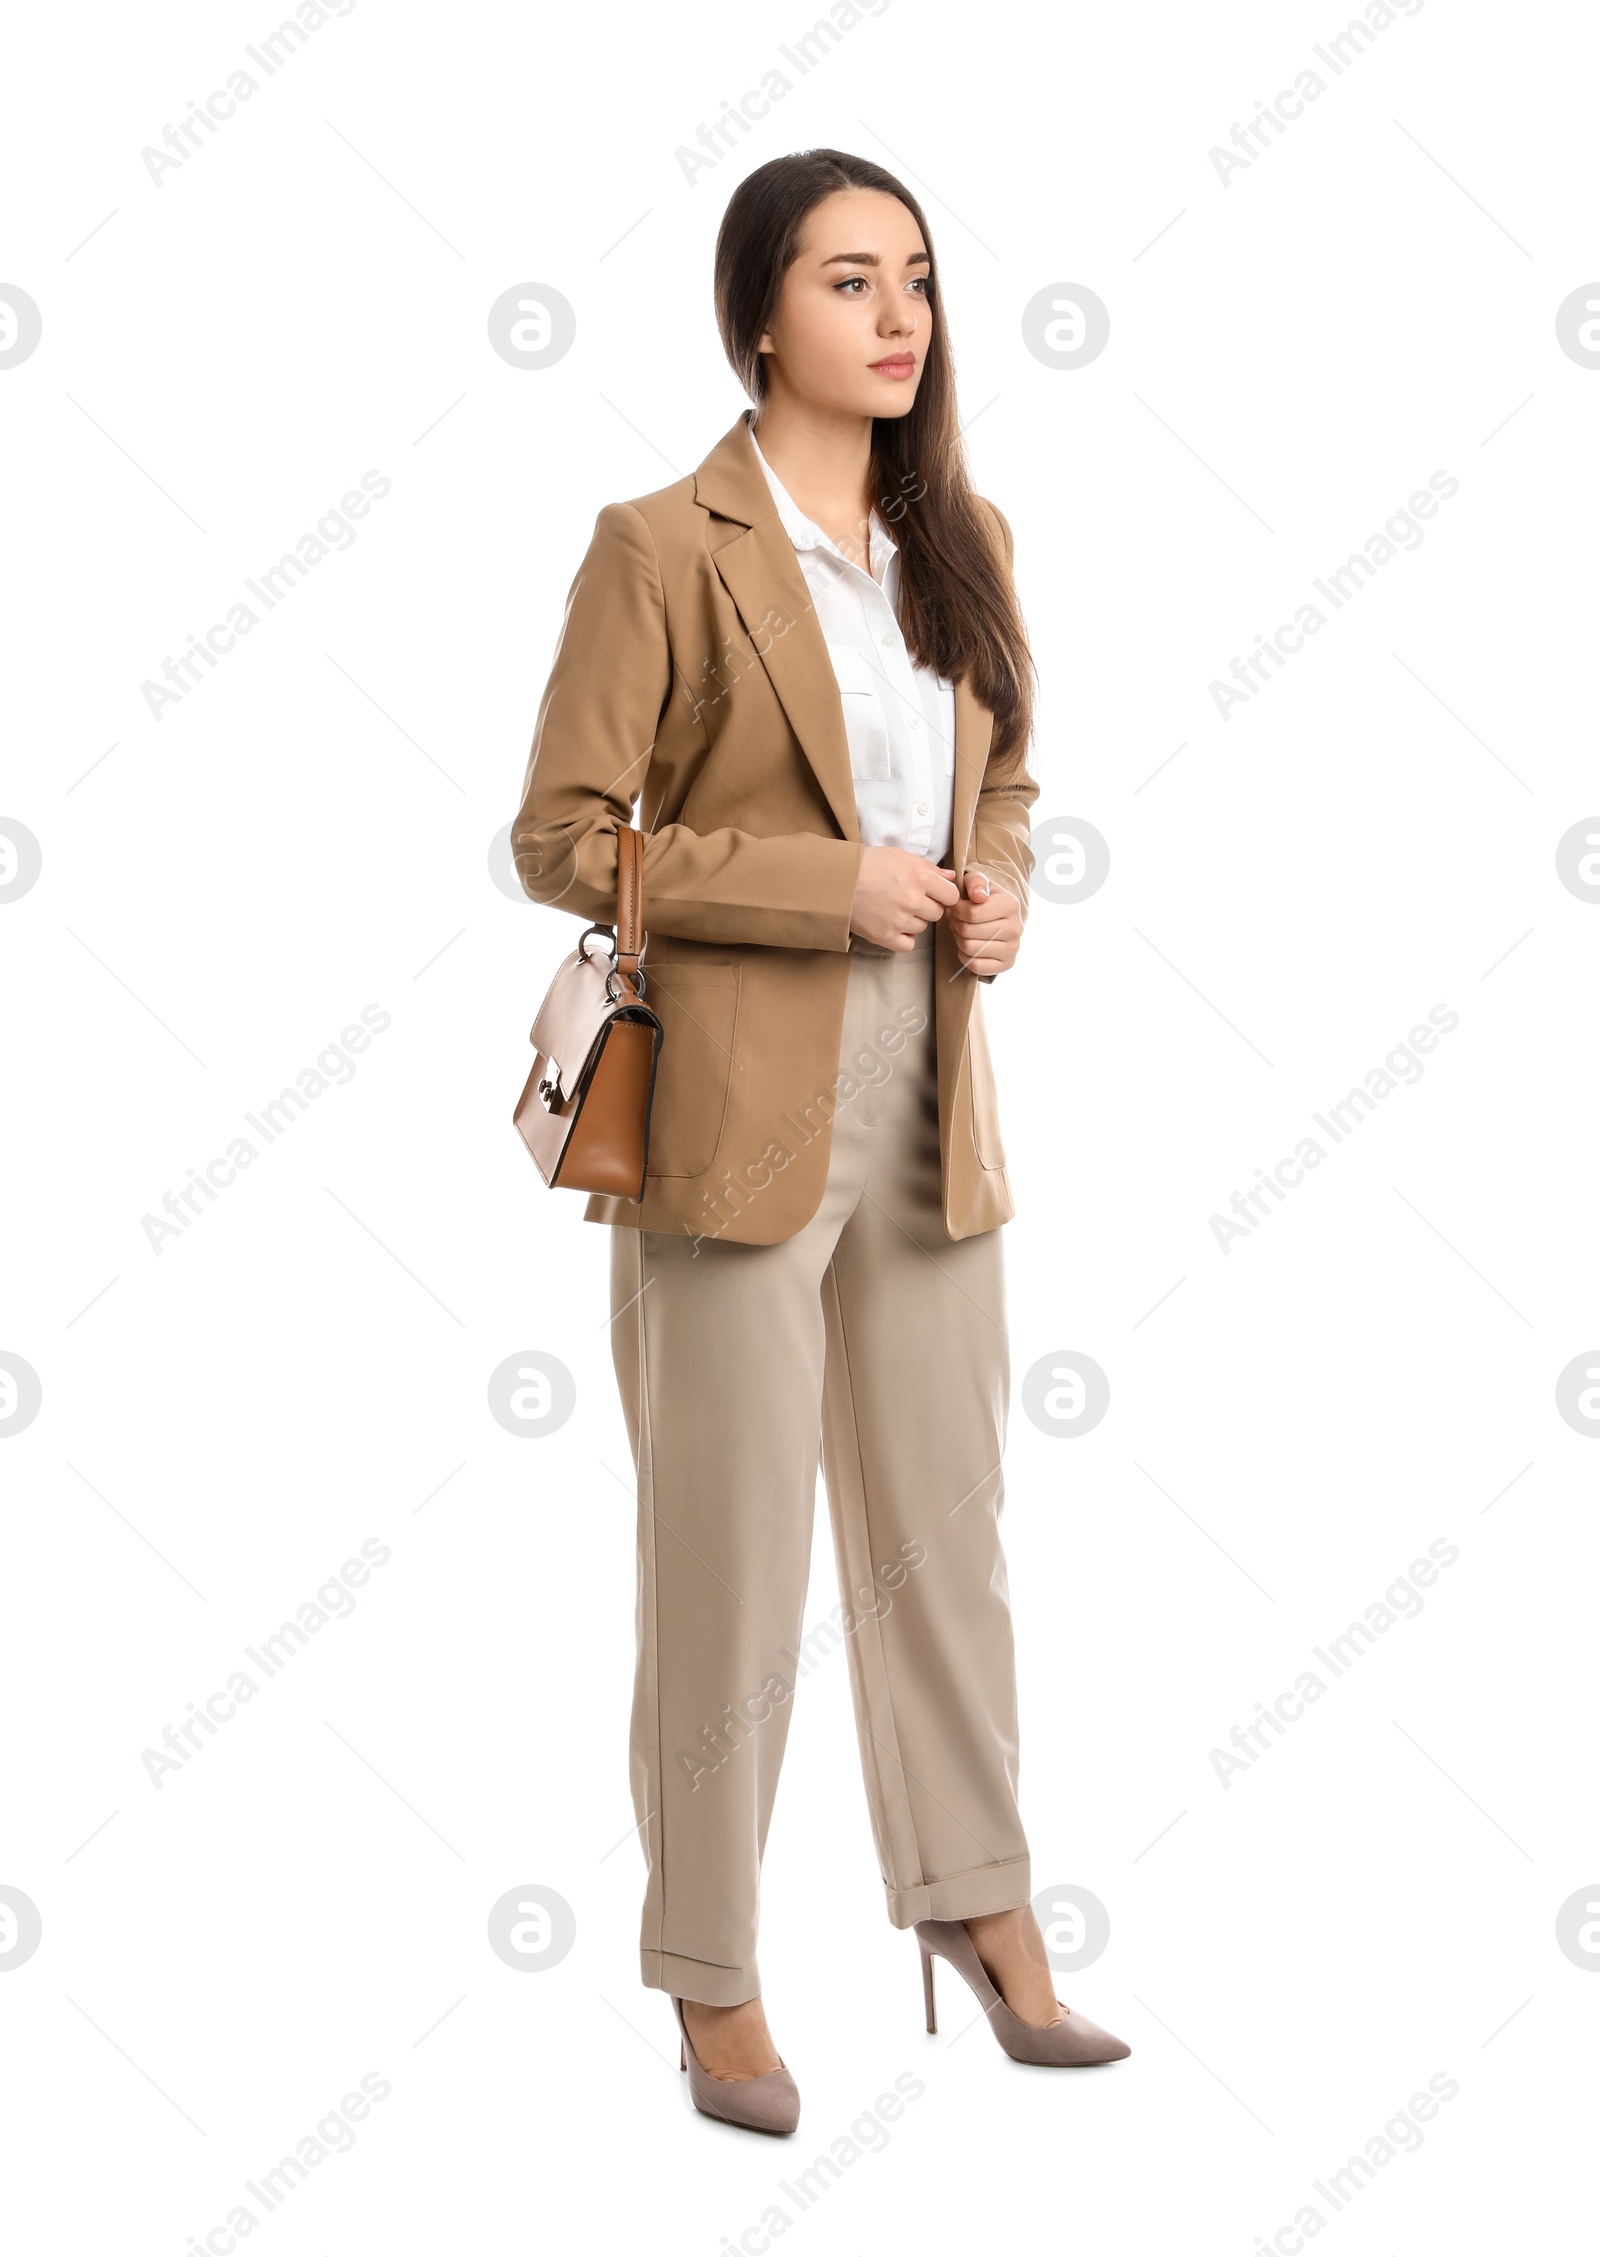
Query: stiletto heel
{"points": [[757, 2104], [927, 1987], [1074, 2042]]}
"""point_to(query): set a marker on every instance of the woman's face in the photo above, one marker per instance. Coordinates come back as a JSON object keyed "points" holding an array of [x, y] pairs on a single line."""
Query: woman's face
{"points": [[853, 327]]}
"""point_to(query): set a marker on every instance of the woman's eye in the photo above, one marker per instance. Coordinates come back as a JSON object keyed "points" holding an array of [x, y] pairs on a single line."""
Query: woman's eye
{"points": [[850, 282]]}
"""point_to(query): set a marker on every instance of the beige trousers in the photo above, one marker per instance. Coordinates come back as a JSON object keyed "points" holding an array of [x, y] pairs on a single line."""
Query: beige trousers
{"points": [[873, 1334]]}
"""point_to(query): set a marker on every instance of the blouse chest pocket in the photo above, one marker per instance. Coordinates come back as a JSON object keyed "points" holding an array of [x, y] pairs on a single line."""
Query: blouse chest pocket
{"points": [[861, 693]]}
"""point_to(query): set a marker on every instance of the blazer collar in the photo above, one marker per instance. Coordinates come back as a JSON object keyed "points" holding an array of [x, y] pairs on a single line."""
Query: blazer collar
{"points": [[730, 480], [756, 561]]}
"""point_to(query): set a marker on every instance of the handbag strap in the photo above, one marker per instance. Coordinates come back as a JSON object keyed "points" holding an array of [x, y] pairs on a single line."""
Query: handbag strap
{"points": [[630, 902]]}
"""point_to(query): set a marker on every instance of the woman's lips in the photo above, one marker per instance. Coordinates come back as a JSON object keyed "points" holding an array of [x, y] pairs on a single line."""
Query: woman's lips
{"points": [[898, 364]]}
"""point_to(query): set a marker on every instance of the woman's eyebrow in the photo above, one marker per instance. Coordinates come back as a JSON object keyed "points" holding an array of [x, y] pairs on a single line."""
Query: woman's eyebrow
{"points": [[871, 258]]}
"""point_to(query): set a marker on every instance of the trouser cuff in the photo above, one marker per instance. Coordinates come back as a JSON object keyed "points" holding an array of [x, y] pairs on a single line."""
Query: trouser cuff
{"points": [[700, 1979], [962, 1896]]}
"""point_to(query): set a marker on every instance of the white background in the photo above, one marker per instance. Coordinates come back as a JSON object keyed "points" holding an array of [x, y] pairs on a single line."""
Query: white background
{"points": [[320, 825]]}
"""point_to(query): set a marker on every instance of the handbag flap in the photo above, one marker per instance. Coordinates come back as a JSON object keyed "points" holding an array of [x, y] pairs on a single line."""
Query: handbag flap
{"points": [[572, 1018]]}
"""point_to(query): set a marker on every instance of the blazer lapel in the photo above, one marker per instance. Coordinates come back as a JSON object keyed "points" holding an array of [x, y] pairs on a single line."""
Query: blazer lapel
{"points": [[761, 572]]}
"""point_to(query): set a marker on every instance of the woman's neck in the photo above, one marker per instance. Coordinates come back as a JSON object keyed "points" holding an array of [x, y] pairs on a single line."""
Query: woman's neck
{"points": [[823, 460]]}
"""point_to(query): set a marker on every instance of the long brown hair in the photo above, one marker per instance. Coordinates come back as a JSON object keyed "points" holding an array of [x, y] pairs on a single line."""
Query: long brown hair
{"points": [[958, 604]]}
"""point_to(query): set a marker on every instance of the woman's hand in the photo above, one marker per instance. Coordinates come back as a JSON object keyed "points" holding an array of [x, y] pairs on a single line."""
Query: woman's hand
{"points": [[897, 894], [987, 925]]}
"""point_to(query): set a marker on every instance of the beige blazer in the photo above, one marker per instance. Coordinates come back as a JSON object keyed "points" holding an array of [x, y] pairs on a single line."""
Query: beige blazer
{"points": [[692, 675]]}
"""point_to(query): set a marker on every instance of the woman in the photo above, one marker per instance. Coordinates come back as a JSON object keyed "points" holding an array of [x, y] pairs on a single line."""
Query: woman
{"points": [[807, 663]]}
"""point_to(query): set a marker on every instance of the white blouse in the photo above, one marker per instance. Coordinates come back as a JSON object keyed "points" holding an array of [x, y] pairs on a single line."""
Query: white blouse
{"points": [[900, 718]]}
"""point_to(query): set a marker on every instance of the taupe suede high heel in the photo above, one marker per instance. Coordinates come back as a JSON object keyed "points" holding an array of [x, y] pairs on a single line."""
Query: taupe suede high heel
{"points": [[1069, 2044], [758, 2104]]}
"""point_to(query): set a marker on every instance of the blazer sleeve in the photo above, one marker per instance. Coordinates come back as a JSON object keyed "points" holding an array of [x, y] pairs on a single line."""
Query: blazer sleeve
{"points": [[1001, 830], [597, 721]]}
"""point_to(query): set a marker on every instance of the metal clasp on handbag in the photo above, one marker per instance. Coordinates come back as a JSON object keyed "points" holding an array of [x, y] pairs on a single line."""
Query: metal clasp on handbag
{"points": [[550, 1085], [613, 977]]}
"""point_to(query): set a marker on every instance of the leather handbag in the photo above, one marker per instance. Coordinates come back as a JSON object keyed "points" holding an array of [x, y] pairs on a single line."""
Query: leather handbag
{"points": [[585, 1111]]}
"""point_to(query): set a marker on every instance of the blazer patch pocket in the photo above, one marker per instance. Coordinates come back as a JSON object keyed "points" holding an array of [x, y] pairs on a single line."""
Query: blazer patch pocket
{"points": [[698, 1006], [861, 693]]}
